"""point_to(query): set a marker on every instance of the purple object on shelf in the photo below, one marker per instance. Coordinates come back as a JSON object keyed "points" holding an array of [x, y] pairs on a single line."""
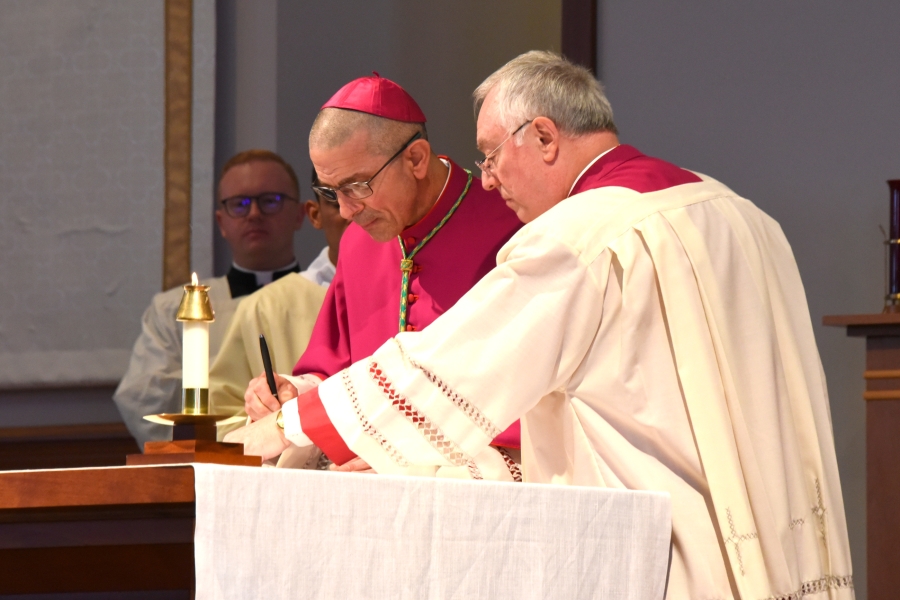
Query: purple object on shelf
{"points": [[894, 243]]}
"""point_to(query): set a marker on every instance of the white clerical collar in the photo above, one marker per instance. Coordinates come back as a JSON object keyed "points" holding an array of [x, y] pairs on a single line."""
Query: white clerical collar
{"points": [[320, 271], [446, 181], [265, 277], [590, 164]]}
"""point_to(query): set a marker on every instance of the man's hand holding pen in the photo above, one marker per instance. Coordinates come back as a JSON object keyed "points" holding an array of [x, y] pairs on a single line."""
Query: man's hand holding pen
{"points": [[259, 400]]}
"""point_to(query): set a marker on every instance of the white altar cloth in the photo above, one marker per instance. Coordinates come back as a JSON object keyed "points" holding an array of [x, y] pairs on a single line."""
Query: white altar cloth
{"points": [[273, 533]]}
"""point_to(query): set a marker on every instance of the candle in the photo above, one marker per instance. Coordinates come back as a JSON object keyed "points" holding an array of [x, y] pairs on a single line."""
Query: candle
{"points": [[195, 355], [196, 314]]}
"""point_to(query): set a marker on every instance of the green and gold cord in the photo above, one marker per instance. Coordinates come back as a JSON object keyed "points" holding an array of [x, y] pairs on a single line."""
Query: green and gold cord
{"points": [[406, 264]]}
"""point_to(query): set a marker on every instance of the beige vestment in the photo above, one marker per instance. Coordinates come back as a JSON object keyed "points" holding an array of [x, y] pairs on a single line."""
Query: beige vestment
{"points": [[285, 312], [656, 341]]}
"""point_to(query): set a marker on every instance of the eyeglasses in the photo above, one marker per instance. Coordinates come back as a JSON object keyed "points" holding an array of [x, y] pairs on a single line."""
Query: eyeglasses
{"points": [[320, 196], [360, 189], [269, 203], [487, 163]]}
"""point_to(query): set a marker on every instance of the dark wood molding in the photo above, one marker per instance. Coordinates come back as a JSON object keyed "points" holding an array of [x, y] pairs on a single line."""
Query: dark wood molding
{"points": [[111, 532], [150, 567], [65, 446], [579, 32], [177, 159], [55, 433]]}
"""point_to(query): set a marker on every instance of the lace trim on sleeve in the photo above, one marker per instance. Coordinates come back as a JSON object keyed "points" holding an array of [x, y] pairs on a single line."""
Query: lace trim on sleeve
{"points": [[367, 426], [514, 468], [474, 471], [817, 586], [427, 429], [464, 405]]}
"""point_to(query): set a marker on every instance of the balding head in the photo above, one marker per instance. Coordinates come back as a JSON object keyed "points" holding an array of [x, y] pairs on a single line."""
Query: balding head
{"points": [[333, 127], [402, 174]]}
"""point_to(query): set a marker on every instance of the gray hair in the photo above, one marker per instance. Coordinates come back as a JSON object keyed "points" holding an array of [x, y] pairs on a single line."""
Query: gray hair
{"points": [[544, 84], [335, 126]]}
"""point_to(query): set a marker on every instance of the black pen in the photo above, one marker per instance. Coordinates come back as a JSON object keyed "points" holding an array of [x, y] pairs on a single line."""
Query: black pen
{"points": [[267, 364]]}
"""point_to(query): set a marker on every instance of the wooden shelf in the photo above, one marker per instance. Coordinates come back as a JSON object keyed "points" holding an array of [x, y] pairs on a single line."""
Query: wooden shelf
{"points": [[871, 319]]}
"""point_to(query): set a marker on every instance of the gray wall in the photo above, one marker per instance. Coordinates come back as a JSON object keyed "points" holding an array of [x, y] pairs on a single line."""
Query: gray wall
{"points": [[81, 179], [439, 52], [797, 107]]}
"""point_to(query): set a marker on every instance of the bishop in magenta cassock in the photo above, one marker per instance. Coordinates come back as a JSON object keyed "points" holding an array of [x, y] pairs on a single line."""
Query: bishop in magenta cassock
{"points": [[405, 283]]}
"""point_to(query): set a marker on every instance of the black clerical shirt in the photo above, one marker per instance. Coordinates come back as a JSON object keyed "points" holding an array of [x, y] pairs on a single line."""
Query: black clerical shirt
{"points": [[242, 283]]}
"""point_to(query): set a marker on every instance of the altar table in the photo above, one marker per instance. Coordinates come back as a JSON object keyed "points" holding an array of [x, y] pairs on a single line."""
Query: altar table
{"points": [[221, 532]]}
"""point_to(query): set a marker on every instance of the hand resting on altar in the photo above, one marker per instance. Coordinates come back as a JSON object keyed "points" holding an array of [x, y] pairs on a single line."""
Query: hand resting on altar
{"points": [[259, 401], [265, 438], [354, 465], [262, 438]]}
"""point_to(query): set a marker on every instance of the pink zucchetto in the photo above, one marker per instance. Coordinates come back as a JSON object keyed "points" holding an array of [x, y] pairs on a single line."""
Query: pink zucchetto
{"points": [[377, 96]]}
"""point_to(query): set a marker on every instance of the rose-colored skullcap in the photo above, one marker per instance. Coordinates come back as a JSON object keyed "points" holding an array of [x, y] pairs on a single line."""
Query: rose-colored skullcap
{"points": [[377, 96]]}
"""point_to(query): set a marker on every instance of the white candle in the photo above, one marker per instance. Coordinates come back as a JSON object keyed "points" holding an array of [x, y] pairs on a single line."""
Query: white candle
{"points": [[195, 351], [195, 355]]}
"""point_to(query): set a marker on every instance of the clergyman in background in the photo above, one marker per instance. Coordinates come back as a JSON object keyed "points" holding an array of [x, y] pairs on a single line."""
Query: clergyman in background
{"points": [[284, 312], [258, 212]]}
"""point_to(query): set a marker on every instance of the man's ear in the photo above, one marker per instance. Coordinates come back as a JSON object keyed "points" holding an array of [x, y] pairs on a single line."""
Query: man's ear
{"points": [[547, 138], [312, 211], [219, 218], [419, 155]]}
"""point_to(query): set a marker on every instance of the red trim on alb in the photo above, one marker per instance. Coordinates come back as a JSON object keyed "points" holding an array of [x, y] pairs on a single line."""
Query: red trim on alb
{"points": [[511, 438], [318, 428]]}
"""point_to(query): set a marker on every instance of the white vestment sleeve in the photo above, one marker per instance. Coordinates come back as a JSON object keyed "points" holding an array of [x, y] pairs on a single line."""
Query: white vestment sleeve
{"points": [[152, 384], [438, 397], [302, 454], [293, 430]]}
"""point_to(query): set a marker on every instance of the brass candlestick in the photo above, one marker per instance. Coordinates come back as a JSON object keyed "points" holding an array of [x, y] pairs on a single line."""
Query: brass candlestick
{"points": [[194, 429]]}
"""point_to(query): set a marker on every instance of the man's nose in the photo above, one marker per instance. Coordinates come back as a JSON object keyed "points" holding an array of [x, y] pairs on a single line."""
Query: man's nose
{"points": [[488, 181], [349, 208], [254, 212]]}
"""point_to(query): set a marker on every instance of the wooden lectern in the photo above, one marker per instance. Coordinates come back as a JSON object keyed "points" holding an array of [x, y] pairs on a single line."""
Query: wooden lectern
{"points": [[882, 396]]}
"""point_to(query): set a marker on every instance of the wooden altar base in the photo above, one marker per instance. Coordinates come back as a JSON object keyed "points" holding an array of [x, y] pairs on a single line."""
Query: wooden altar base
{"points": [[188, 451]]}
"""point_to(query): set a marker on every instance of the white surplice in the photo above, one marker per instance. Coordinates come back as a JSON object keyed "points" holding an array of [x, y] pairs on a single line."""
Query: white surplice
{"points": [[656, 341]]}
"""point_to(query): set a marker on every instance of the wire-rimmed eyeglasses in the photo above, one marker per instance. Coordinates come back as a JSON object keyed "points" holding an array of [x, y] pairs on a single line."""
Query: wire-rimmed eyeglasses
{"points": [[269, 203], [487, 163], [360, 189]]}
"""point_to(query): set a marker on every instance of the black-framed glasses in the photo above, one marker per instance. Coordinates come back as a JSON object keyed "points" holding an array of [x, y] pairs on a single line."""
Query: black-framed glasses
{"points": [[487, 163], [320, 196], [269, 203], [360, 189]]}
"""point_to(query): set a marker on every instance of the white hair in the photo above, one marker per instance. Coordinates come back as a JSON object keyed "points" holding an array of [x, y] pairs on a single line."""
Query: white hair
{"points": [[544, 84]]}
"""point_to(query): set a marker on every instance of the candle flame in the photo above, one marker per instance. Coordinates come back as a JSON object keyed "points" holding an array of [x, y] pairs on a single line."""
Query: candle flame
{"points": [[194, 279]]}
